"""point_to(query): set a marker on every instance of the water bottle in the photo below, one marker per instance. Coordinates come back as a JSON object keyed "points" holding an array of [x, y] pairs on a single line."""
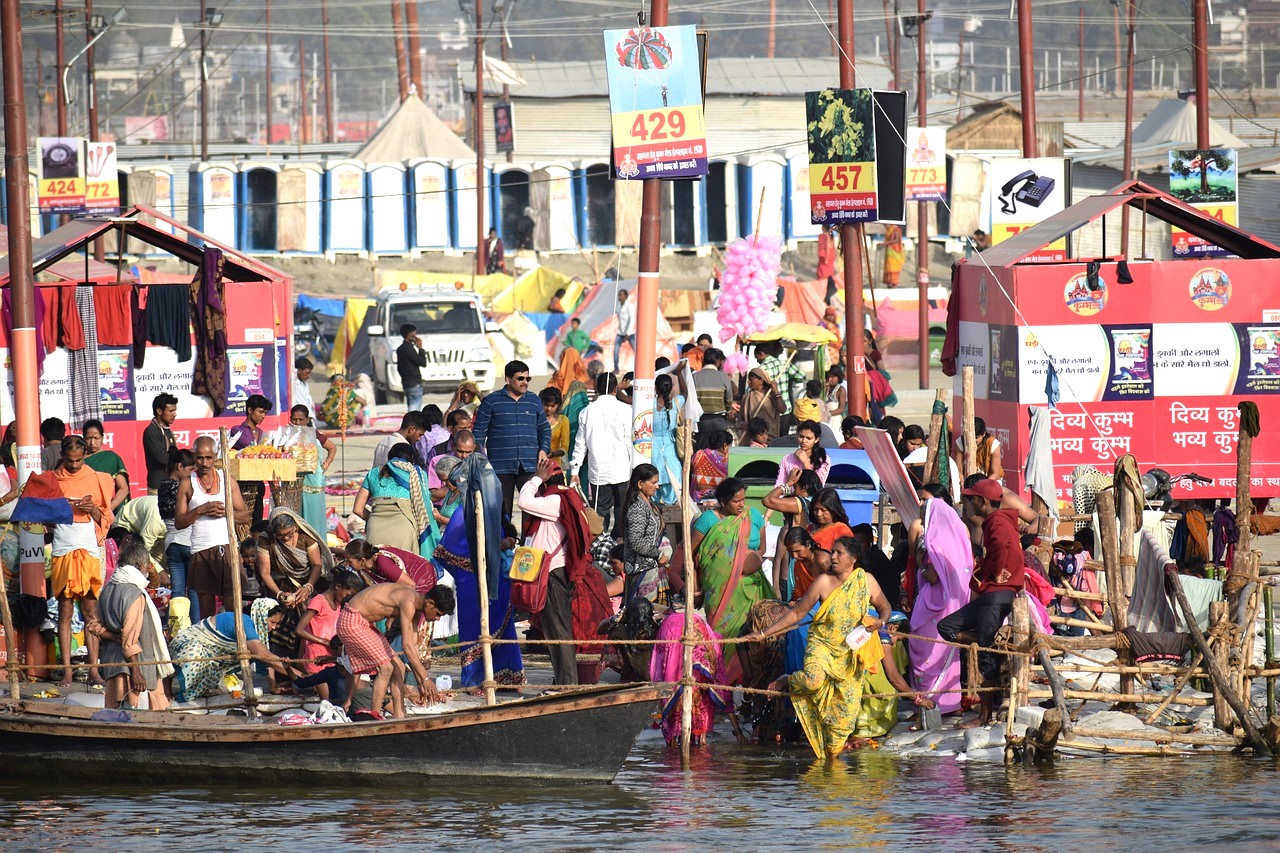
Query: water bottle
{"points": [[931, 718], [444, 682]]}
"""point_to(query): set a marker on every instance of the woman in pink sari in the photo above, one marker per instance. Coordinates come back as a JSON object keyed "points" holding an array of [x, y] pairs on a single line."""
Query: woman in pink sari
{"points": [[944, 565], [708, 670]]}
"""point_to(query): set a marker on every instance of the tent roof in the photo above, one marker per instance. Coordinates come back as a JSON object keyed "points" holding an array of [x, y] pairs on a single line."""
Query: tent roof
{"points": [[186, 244], [1171, 125], [74, 269], [1141, 197], [413, 131]]}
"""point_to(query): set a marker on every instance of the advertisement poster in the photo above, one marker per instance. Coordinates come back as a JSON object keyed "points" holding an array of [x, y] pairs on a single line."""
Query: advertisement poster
{"points": [[1261, 348], [927, 164], [1131, 366], [1206, 180], [102, 179], [115, 384], [1004, 363], [248, 373], [1022, 192], [61, 174], [504, 128], [655, 98], [842, 155]]}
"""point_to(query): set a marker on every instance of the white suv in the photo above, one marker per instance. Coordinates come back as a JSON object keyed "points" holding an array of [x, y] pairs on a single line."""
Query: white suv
{"points": [[452, 326]]}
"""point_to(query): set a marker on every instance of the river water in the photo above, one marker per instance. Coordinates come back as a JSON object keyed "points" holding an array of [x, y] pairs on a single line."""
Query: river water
{"points": [[736, 798]]}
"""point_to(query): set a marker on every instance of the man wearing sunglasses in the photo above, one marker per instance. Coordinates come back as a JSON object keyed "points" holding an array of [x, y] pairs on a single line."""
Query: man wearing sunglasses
{"points": [[511, 428]]}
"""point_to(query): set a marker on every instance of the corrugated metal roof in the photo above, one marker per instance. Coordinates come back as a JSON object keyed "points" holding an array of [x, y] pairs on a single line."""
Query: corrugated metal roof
{"points": [[725, 76]]}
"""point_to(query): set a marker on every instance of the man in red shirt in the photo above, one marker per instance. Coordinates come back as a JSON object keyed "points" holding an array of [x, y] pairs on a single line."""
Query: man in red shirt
{"points": [[998, 576]]}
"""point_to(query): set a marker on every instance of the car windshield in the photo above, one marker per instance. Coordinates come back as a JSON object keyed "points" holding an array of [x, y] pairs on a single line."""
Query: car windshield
{"points": [[436, 318]]}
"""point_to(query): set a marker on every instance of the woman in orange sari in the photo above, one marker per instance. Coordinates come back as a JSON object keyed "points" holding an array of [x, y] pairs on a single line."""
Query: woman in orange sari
{"points": [[830, 521], [572, 369]]}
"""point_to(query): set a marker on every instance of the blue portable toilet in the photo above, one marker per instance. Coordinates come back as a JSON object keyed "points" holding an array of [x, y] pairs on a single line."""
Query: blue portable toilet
{"points": [[213, 201], [259, 208], [152, 186], [721, 202], [300, 209], [386, 210], [597, 205], [684, 214], [551, 194], [429, 210], [799, 209], [856, 482], [512, 193], [344, 207], [462, 201], [761, 173]]}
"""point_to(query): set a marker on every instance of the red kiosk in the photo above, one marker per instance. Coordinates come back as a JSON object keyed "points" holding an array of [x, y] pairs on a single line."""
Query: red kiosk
{"points": [[1150, 357]]}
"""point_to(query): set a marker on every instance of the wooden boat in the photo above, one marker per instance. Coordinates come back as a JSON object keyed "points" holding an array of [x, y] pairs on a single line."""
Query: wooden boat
{"points": [[582, 736]]}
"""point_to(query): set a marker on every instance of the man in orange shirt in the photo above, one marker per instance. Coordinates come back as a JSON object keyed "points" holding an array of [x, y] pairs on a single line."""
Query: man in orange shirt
{"points": [[77, 569]]}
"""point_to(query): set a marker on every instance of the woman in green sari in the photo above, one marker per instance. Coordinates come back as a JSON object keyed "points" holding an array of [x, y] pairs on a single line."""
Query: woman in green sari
{"points": [[827, 692], [313, 503], [575, 400], [727, 541]]}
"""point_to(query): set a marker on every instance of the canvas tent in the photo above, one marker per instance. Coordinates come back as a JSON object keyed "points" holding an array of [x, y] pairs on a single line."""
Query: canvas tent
{"points": [[413, 131], [1171, 125]]}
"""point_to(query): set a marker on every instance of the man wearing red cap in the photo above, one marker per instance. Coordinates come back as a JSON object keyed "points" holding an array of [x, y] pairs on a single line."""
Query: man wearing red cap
{"points": [[999, 576]]}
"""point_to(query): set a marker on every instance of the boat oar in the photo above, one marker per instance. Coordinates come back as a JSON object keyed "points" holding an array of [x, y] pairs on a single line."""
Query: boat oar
{"points": [[237, 598]]}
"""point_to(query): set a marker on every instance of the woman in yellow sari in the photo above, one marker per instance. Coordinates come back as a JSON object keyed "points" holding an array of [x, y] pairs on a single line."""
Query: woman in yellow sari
{"points": [[827, 692]]}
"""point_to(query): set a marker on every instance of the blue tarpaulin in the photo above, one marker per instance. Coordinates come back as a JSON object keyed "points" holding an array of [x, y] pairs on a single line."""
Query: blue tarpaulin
{"points": [[330, 307]]}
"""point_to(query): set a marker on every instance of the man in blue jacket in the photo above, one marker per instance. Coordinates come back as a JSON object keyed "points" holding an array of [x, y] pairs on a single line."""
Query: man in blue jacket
{"points": [[511, 428]]}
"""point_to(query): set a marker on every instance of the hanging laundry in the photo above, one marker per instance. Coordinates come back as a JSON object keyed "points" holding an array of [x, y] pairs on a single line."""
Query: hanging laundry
{"points": [[207, 299], [8, 324], [138, 316], [61, 318], [86, 402], [169, 318], [111, 304]]}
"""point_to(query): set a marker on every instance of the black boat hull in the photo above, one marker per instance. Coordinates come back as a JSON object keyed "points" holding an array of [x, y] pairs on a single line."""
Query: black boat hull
{"points": [[577, 737]]}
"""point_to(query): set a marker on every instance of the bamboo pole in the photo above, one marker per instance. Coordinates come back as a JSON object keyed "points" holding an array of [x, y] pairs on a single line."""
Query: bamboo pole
{"points": [[1019, 666], [937, 455], [1071, 644], [966, 414], [1127, 565], [1193, 738], [486, 647], [1116, 598], [233, 562], [1097, 627], [10, 643], [1269, 644], [1219, 652], [686, 678], [1138, 669], [1130, 750], [1075, 593], [1220, 681], [1130, 698], [1177, 688]]}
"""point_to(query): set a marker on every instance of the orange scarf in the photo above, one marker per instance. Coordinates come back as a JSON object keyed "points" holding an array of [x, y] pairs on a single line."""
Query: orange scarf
{"points": [[91, 483]]}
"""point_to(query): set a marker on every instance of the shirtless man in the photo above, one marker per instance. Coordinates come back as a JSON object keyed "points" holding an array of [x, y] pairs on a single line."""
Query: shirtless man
{"points": [[369, 650]]}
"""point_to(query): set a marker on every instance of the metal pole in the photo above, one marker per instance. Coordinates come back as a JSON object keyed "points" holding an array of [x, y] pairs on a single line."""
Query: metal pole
{"points": [[270, 91], [1128, 127], [922, 208], [204, 114], [91, 99], [61, 58], [479, 139], [1027, 80], [1200, 58], [646, 296], [773, 24], [414, 46], [26, 380], [402, 50], [1080, 64], [851, 240], [302, 94], [328, 72]]}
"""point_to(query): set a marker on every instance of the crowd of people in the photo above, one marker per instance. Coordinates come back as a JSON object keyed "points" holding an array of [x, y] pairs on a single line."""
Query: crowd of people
{"points": [[595, 564]]}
